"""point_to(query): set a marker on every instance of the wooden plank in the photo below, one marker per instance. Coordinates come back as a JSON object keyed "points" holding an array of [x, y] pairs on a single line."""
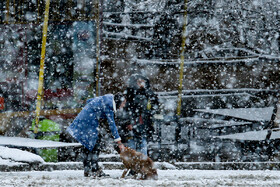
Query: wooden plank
{"points": [[33, 143], [250, 114], [252, 135]]}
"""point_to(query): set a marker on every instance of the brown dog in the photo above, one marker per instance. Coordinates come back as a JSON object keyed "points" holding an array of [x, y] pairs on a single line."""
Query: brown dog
{"points": [[139, 163]]}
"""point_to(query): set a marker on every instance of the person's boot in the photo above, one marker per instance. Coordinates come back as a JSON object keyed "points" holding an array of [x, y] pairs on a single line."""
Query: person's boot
{"points": [[99, 173], [87, 174]]}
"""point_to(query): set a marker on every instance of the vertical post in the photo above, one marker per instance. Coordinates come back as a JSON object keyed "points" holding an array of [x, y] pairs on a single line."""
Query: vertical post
{"points": [[42, 64], [15, 16], [182, 51], [7, 12], [97, 50], [179, 105], [38, 11]]}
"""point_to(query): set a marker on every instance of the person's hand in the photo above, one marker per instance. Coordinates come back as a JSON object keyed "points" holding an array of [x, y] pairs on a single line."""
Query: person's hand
{"points": [[122, 105], [121, 146], [129, 127]]}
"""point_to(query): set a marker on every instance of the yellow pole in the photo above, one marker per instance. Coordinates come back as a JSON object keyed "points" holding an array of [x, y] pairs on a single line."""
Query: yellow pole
{"points": [[42, 63], [7, 12], [97, 51], [182, 51]]}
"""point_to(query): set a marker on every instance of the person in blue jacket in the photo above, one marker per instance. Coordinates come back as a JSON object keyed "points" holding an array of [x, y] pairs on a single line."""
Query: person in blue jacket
{"points": [[86, 126]]}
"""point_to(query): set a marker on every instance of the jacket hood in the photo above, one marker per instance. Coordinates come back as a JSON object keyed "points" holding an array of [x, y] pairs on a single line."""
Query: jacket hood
{"points": [[132, 82]]}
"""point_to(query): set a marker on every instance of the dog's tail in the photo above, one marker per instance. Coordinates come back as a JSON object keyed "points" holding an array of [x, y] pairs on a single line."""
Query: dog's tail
{"points": [[152, 175]]}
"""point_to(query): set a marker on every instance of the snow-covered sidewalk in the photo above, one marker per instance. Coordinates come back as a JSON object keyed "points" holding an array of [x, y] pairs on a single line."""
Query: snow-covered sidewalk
{"points": [[175, 174], [171, 178], [12, 159]]}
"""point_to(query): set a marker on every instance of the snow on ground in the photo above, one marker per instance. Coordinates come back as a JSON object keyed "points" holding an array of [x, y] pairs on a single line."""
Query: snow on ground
{"points": [[172, 177], [166, 178]]}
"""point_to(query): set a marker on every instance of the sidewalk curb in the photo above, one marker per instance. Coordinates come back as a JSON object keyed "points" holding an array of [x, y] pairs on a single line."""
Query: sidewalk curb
{"points": [[159, 165], [228, 165]]}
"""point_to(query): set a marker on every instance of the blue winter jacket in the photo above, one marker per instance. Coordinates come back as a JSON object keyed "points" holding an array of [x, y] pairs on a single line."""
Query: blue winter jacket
{"points": [[85, 126]]}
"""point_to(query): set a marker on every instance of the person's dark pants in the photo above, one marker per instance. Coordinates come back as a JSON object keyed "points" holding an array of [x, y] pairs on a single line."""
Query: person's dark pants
{"points": [[90, 159]]}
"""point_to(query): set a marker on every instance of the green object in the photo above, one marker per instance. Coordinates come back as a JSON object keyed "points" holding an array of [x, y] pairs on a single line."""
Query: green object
{"points": [[47, 130], [46, 125]]}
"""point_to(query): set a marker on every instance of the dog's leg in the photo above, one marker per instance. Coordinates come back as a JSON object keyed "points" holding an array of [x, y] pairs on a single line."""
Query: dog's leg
{"points": [[135, 176], [124, 172]]}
